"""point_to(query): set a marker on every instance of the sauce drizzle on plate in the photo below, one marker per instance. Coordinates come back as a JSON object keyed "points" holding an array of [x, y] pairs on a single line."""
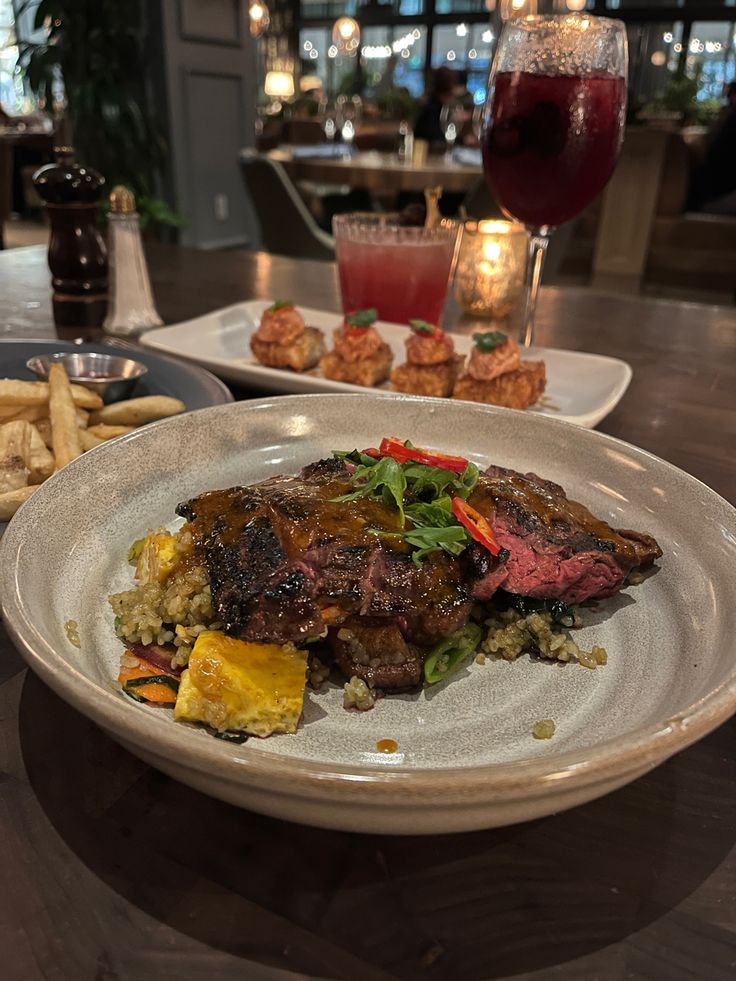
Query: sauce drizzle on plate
{"points": [[387, 745]]}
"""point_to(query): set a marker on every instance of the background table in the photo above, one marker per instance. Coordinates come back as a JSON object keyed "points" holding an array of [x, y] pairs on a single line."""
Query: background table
{"points": [[110, 871], [381, 173]]}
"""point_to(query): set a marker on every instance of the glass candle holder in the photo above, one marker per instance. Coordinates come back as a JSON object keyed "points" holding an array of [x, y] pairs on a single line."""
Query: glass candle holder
{"points": [[489, 278]]}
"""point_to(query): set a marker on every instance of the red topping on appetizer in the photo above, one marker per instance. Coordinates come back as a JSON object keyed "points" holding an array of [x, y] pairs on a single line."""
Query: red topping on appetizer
{"points": [[428, 344], [493, 354], [280, 324]]}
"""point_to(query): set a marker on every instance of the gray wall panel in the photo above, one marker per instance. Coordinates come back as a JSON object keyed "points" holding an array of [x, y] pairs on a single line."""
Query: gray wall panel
{"points": [[211, 21], [210, 96], [213, 144]]}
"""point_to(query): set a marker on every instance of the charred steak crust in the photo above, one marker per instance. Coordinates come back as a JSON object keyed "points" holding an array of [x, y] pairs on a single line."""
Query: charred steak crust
{"points": [[285, 560]]}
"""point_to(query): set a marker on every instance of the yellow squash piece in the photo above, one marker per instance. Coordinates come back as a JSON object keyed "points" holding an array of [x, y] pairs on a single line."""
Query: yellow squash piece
{"points": [[158, 557], [233, 684]]}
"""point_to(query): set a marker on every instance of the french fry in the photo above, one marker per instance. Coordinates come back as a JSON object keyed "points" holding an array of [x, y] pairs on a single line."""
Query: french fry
{"points": [[89, 440], [11, 413], [82, 418], [15, 439], [40, 462], [44, 428], [12, 500], [15, 451], [103, 432], [137, 412], [32, 413], [25, 393], [64, 432]]}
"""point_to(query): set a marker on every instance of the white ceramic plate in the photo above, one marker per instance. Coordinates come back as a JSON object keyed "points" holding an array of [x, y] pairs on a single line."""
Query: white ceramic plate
{"points": [[581, 388], [466, 756]]}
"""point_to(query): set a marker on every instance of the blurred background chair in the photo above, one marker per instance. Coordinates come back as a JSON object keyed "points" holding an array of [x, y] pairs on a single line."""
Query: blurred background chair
{"points": [[287, 226]]}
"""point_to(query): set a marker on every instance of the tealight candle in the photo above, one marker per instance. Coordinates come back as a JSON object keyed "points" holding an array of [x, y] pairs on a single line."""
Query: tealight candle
{"points": [[491, 264]]}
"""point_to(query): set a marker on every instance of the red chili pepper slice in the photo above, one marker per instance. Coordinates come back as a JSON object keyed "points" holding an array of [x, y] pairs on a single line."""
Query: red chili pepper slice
{"points": [[351, 331], [476, 525], [393, 447]]}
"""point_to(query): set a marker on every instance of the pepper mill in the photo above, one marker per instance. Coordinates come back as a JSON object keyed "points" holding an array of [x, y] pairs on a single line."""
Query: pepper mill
{"points": [[77, 251], [131, 309]]}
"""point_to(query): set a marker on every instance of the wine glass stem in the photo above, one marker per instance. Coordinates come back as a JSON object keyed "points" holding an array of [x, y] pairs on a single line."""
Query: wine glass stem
{"points": [[537, 254]]}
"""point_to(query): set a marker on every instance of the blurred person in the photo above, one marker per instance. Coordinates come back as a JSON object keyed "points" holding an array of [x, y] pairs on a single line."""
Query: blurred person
{"points": [[714, 185], [446, 87]]}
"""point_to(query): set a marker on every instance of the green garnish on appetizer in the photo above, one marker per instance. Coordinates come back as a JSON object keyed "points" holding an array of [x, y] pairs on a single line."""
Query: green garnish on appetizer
{"points": [[362, 318], [489, 340], [422, 327]]}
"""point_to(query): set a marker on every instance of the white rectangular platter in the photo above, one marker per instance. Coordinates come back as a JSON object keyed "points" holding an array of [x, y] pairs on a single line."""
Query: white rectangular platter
{"points": [[581, 388]]}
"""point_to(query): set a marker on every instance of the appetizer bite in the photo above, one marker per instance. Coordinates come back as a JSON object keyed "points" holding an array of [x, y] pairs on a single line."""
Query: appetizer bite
{"points": [[360, 355], [431, 366], [496, 374], [284, 341]]}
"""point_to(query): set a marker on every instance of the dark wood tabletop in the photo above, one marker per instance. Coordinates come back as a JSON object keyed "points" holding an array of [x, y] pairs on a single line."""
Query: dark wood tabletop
{"points": [[111, 871]]}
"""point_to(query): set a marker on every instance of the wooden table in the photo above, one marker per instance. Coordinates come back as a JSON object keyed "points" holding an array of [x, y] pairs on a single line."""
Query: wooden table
{"points": [[112, 872], [383, 174]]}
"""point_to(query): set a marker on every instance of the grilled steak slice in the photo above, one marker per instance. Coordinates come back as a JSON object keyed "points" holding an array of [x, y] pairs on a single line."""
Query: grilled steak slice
{"points": [[556, 548], [284, 560], [375, 650]]}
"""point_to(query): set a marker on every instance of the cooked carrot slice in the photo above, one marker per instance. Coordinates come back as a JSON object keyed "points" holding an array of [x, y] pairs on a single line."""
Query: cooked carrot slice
{"points": [[157, 690]]}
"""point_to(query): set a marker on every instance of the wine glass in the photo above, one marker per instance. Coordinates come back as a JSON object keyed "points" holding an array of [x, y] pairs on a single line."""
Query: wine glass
{"points": [[476, 123], [554, 125], [448, 125]]}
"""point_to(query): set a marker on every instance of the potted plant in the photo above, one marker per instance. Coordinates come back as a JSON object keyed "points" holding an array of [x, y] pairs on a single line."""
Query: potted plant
{"points": [[95, 49]]}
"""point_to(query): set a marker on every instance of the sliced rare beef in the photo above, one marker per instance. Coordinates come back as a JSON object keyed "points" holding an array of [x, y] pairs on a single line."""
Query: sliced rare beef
{"points": [[556, 548]]}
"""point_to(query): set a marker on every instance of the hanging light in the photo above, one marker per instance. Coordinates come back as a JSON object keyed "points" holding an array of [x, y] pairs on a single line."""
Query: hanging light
{"points": [[258, 17], [279, 85], [517, 8], [576, 5], [490, 5], [346, 34]]}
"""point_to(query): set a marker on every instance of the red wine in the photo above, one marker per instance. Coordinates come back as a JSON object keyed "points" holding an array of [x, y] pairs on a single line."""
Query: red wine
{"points": [[552, 143]]}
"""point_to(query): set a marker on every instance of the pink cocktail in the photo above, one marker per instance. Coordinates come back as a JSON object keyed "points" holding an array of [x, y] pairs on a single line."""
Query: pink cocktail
{"points": [[402, 271]]}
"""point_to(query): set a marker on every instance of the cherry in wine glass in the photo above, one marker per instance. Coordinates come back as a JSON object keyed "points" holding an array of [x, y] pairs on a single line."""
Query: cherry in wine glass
{"points": [[554, 125]]}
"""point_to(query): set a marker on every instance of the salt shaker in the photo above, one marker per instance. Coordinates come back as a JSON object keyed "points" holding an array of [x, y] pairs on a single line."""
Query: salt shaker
{"points": [[131, 310]]}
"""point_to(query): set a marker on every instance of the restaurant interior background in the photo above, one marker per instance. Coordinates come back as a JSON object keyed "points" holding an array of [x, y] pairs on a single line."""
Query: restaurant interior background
{"points": [[222, 84]]}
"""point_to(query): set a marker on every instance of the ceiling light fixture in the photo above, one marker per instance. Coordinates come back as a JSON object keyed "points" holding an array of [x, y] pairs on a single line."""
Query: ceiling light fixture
{"points": [[258, 18], [346, 34]]}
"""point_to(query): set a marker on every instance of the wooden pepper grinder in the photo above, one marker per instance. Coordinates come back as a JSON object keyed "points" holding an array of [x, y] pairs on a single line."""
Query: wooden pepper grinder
{"points": [[77, 251]]}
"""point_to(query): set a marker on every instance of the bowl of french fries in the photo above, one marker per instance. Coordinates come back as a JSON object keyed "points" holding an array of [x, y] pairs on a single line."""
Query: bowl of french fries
{"points": [[46, 425]]}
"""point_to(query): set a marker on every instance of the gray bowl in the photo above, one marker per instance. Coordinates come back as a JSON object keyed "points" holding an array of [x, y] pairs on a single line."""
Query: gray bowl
{"points": [[467, 758], [111, 376]]}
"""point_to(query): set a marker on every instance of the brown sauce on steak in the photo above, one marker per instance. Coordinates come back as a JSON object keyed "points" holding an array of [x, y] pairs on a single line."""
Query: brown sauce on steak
{"points": [[286, 561]]}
